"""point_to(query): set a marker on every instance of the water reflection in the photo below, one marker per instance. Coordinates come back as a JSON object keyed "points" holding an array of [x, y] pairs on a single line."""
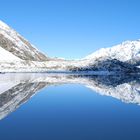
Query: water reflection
{"points": [[15, 89]]}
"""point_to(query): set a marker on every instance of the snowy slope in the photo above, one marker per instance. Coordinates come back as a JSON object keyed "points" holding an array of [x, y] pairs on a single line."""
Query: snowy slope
{"points": [[7, 56]]}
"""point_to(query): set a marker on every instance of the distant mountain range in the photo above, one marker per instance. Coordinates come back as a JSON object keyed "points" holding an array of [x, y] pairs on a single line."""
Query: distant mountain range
{"points": [[19, 55]]}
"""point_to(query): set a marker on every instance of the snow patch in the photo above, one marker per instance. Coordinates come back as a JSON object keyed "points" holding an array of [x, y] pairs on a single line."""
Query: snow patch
{"points": [[7, 56]]}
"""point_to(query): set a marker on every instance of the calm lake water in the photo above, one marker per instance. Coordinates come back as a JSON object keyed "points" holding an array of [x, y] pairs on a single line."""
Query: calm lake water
{"points": [[64, 107]]}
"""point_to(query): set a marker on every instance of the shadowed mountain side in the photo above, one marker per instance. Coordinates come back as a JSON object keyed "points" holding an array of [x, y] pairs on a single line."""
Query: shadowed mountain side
{"points": [[20, 87]]}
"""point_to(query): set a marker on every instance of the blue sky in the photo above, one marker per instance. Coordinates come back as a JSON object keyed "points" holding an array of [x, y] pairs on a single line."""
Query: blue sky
{"points": [[73, 28]]}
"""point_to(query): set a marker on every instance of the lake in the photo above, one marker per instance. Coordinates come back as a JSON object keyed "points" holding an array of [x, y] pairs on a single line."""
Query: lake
{"points": [[69, 107]]}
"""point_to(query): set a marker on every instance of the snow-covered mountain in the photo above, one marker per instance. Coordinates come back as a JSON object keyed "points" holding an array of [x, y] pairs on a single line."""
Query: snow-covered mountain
{"points": [[123, 52], [119, 57], [18, 55]]}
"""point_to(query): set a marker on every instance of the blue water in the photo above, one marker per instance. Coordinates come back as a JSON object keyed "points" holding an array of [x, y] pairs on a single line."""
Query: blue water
{"points": [[72, 112]]}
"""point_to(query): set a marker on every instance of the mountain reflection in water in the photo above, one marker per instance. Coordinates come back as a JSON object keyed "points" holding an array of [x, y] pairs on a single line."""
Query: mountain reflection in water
{"points": [[15, 89]]}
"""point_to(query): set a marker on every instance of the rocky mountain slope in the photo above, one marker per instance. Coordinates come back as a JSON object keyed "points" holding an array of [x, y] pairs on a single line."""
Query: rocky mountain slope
{"points": [[13, 42]]}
